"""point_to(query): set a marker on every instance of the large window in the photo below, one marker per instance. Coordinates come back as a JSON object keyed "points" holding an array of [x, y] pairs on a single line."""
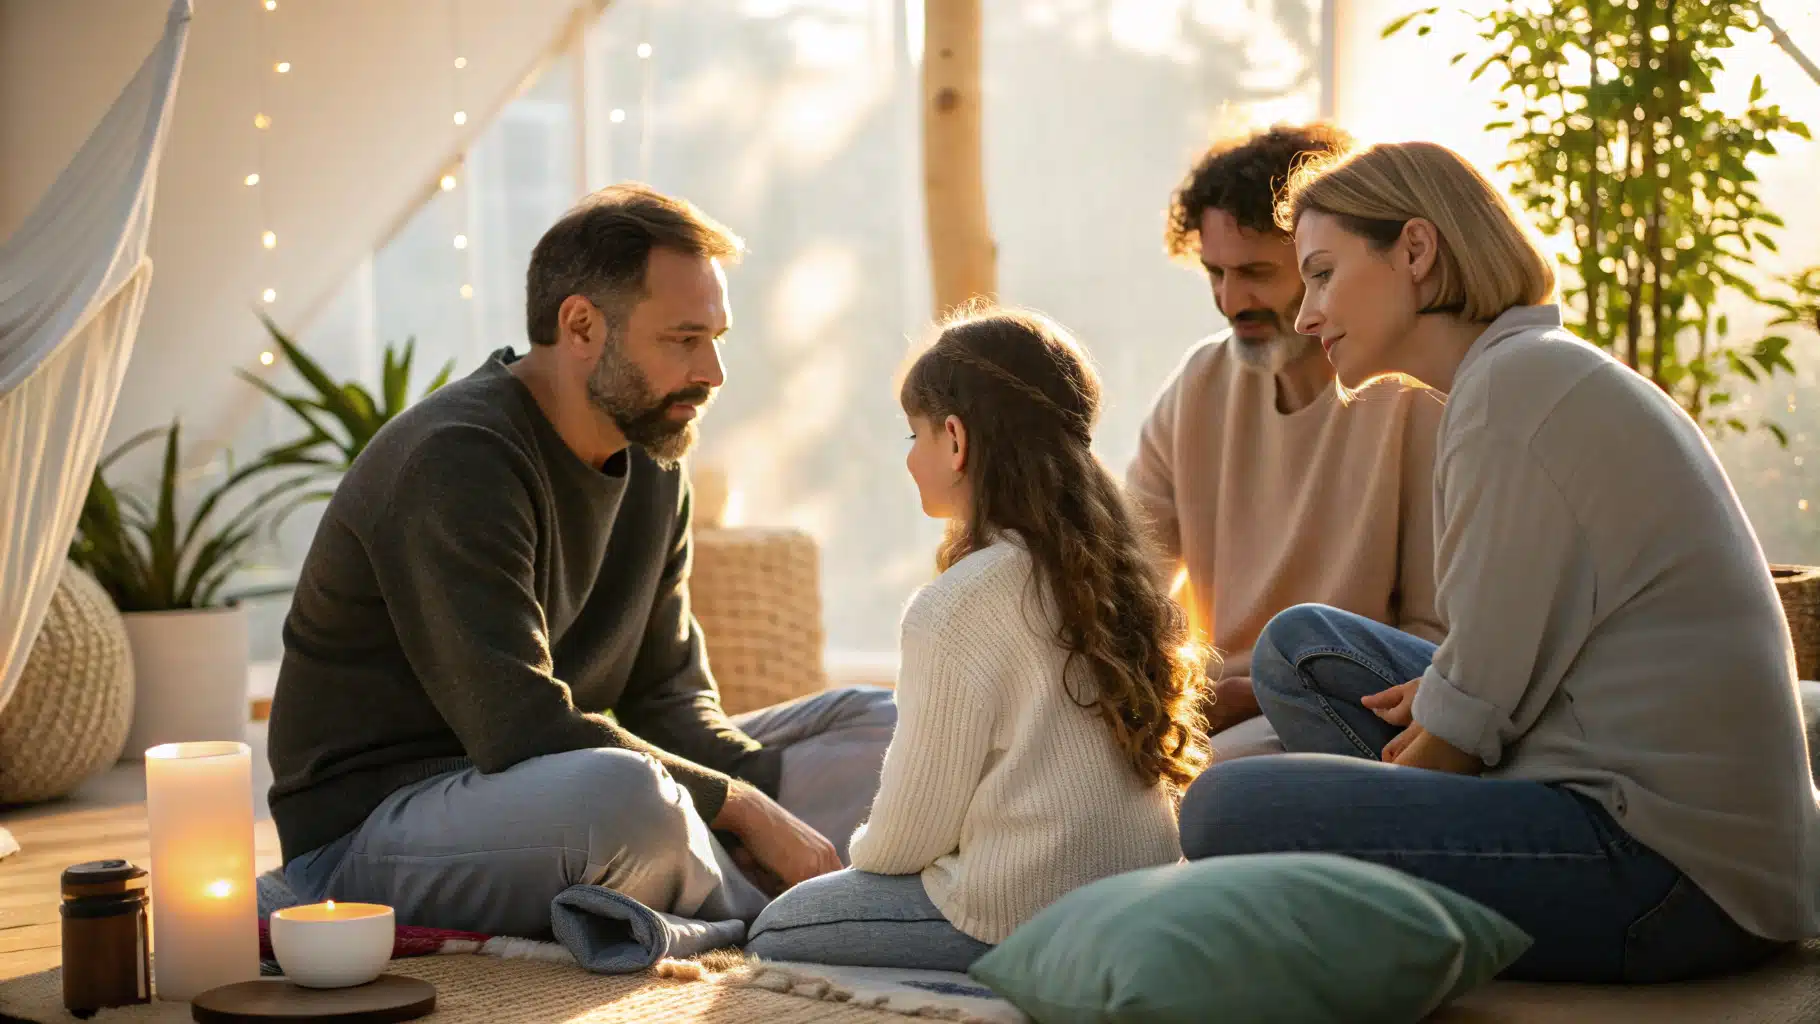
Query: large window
{"points": [[795, 122]]}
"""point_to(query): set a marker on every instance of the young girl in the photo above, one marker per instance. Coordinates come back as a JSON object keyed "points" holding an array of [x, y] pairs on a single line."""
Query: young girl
{"points": [[1046, 707]]}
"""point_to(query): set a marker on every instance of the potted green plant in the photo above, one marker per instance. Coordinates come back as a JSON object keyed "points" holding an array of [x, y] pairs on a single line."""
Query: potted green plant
{"points": [[169, 573], [341, 418], [1619, 149]]}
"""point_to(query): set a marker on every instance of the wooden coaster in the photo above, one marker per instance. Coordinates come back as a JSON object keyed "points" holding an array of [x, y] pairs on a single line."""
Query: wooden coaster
{"points": [[383, 1000]]}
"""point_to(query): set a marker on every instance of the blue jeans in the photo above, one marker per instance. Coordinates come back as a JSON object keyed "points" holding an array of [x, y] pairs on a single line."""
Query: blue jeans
{"points": [[858, 919], [1600, 905]]}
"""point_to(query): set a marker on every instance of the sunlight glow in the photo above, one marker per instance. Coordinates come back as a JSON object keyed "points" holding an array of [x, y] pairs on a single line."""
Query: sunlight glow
{"points": [[815, 288], [735, 515]]}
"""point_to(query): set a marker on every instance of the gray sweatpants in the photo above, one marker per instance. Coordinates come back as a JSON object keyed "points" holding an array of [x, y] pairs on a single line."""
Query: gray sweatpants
{"points": [[487, 853]]}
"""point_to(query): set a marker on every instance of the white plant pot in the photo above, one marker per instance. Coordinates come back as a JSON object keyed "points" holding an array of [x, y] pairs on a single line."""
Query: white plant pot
{"points": [[189, 677]]}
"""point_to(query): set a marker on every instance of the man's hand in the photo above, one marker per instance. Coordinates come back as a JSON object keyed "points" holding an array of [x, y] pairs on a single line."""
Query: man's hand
{"points": [[1416, 747], [1233, 702], [779, 841], [1394, 705]]}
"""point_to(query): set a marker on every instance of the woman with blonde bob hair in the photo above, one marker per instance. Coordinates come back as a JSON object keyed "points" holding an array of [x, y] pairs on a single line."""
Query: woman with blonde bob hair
{"points": [[1607, 747]]}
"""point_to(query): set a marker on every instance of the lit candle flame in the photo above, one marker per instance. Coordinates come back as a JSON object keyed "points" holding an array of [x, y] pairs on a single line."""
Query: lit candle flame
{"points": [[331, 906], [220, 888]]}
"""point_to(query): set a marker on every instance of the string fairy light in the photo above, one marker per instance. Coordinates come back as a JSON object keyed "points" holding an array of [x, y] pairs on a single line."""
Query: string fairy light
{"points": [[647, 91], [450, 181], [262, 124]]}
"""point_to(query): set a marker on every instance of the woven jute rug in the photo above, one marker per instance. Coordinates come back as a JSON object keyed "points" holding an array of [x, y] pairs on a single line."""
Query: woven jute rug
{"points": [[488, 990]]}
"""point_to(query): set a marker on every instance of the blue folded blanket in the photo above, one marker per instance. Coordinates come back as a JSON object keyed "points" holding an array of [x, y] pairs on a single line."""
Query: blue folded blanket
{"points": [[607, 932]]}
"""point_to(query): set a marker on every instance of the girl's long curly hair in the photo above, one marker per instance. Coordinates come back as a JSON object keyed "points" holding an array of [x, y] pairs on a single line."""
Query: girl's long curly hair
{"points": [[1029, 400]]}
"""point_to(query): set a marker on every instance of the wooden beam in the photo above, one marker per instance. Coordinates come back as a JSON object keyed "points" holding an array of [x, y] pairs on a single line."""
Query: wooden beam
{"points": [[962, 256]]}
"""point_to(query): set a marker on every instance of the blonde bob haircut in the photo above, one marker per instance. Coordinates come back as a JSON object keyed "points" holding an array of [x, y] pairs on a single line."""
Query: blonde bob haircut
{"points": [[1488, 260]]}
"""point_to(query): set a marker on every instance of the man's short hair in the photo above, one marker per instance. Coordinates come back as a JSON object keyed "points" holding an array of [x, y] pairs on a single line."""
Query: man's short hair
{"points": [[1244, 176], [600, 248]]}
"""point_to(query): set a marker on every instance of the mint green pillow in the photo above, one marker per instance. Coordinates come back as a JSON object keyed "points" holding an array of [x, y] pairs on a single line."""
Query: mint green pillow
{"points": [[1302, 937]]}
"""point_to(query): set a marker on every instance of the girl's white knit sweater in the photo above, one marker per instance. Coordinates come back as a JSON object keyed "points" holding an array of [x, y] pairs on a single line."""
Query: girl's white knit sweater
{"points": [[1000, 790]]}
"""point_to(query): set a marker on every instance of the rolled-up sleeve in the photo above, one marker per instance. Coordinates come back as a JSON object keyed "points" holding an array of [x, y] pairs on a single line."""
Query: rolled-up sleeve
{"points": [[1515, 583]]}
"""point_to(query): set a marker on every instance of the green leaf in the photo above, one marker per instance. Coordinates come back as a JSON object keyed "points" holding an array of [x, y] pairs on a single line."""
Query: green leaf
{"points": [[395, 380], [305, 409], [1756, 89], [162, 538], [284, 512], [327, 391], [1399, 24], [440, 379], [1776, 431]]}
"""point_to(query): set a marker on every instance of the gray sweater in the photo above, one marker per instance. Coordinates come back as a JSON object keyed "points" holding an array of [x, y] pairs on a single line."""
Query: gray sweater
{"points": [[477, 595], [1611, 621]]}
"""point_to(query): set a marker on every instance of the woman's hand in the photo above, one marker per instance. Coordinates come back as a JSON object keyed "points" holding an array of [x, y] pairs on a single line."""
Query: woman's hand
{"points": [[1393, 705], [1416, 747]]}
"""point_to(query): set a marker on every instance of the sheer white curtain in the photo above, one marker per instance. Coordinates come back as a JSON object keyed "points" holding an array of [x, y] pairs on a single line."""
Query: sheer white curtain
{"points": [[73, 281]]}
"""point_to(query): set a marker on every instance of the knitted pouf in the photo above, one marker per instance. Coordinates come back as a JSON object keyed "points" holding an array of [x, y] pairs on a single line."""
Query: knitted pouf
{"points": [[69, 715], [1799, 588], [757, 595]]}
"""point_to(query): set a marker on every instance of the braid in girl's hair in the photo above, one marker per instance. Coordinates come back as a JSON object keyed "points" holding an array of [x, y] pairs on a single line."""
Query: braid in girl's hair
{"points": [[1072, 422]]}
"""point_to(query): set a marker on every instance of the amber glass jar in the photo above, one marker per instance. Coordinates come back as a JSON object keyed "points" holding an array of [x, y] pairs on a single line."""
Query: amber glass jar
{"points": [[106, 941]]}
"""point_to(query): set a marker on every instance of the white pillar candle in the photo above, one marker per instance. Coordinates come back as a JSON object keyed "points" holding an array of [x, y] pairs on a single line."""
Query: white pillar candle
{"points": [[205, 917]]}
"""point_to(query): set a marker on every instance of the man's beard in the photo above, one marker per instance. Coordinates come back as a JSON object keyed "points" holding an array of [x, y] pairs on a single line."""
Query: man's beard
{"points": [[620, 389], [1273, 355]]}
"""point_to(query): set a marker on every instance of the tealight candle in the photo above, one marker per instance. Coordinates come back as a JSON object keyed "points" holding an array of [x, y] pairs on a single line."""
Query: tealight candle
{"points": [[332, 945], [205, 916]]}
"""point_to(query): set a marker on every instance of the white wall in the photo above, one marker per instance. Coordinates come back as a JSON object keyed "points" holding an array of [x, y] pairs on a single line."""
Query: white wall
{"points": [[360, 126]]}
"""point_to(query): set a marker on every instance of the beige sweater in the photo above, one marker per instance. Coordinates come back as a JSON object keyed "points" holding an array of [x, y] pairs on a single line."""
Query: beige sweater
{"points": [[1000, 790], [1331, 504], [1612, 624]]}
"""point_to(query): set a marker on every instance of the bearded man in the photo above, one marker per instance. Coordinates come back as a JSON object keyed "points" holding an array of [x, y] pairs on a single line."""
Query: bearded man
{"points": [[492, 685], [1264, 484]]}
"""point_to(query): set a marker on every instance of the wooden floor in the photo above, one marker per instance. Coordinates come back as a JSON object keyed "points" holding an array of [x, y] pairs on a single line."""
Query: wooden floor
{"points": [[30, 934]]}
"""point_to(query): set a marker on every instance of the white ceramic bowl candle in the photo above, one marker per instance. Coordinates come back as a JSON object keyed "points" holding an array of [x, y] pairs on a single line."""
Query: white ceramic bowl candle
{"points": [[332, 945]]}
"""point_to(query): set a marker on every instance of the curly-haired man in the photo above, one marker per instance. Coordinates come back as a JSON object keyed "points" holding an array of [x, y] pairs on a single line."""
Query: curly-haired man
{"points": [[1262, 481]]}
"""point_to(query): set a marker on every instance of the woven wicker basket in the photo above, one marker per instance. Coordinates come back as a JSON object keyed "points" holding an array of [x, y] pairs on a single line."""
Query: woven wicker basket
{"points": [[70, 714], [757, 595], [1799, 587]]}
